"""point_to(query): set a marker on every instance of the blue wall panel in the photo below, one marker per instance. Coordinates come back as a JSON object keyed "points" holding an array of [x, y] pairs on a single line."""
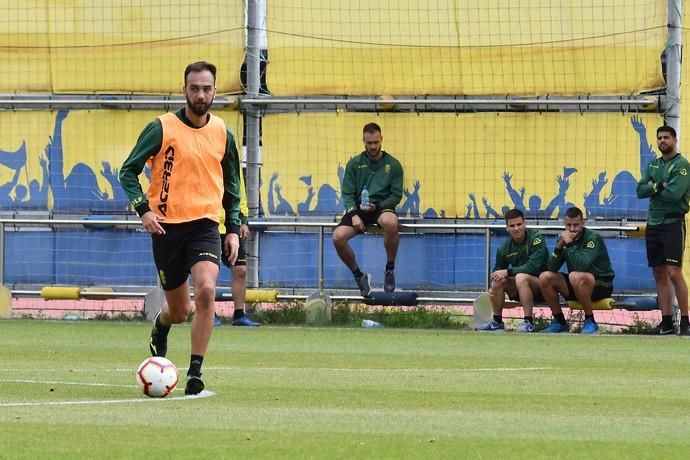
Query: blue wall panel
{"points": [[29, 257], [431, 261]]}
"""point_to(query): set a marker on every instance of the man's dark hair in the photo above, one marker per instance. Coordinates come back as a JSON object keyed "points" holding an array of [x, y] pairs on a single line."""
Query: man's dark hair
{"points": [[574, 212], [200, 66], [371, 128], [513, 214], [666, 129]]}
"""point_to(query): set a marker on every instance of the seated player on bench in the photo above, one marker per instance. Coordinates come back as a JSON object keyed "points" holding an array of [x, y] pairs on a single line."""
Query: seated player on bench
{"points": [[519, 261], [590, 274]]}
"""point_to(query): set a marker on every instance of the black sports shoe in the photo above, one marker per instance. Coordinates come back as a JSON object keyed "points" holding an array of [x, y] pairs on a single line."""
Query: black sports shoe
{"points": [[662, 329], [389, 281], [684, 330], [194, 385], [158, 346], [364, 284]]}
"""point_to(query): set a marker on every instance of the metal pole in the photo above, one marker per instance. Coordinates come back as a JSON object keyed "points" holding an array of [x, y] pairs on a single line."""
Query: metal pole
{"points": [[636, 101], [487, 257], [674, 19], [319, 266], [252, 131], [2, 253]]}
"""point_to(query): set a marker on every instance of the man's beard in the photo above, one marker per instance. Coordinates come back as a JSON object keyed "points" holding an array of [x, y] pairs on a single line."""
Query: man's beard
{"points": [[666, 149], [199, 109]]}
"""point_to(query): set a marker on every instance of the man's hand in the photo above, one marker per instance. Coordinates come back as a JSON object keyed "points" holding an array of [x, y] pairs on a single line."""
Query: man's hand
{"points": [[499, 275], [371, 207], [151, 220], [244, 231], [567, 237], [231, 245], [358, 223]]}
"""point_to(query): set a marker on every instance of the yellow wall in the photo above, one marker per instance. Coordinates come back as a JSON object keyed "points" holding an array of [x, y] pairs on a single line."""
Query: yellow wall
{"points": [[453, 156], [76, 46], [408, 47], [89, 137]]}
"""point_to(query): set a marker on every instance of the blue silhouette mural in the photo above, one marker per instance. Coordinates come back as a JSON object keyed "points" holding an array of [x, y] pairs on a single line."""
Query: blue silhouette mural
{"points": [[533, 210], [283, 207], [78, 192], [14, 160], [620, 202]]}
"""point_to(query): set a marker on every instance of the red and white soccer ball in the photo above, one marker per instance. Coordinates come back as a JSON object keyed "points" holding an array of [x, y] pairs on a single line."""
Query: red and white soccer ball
{"points": [[157, 377]]}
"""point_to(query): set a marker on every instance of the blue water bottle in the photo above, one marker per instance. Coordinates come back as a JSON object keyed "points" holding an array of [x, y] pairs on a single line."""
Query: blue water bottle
{"points": [[364, 198]]}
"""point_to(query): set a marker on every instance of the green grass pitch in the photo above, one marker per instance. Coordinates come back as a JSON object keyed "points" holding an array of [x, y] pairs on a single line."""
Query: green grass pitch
{"points": [[67, 390]]}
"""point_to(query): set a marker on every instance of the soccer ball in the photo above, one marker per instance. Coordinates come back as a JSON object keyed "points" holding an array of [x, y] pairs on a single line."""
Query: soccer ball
{"points": [[157, 377]]}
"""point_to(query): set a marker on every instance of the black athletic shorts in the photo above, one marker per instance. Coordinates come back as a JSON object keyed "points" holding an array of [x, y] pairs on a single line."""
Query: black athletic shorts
{"points": [[182, 246], [241, 253], [369, 218], [665, 244], [602, 289], [537, 296]]}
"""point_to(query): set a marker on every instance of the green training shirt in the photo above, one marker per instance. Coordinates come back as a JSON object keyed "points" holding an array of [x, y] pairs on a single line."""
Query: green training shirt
{"points": [[149, 144], [586, 254], [383, 178], [669, 203], [529, 257]]}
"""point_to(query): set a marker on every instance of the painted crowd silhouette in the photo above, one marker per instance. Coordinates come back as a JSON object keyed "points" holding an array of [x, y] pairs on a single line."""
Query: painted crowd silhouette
{"points": [[79, 191]]}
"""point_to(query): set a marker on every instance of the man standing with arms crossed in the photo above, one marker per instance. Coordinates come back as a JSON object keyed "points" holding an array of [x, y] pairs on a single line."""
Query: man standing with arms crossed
{"points": [[667, 185], [194, 172]]}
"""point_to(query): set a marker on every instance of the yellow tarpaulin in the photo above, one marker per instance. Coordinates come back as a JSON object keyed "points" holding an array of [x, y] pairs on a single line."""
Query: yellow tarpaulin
{"points": [[76, 152], [451, 161], [441, 47], [114, 46]]}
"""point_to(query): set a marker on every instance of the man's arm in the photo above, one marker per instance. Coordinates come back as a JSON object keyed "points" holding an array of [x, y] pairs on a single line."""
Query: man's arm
{"points": [[673, 188], [148, 145], [232, 177], [244, 210], [537, 256], [582, 258], [556, 258], [644, 188], [347, 191], [392, 200], [501, 262]]}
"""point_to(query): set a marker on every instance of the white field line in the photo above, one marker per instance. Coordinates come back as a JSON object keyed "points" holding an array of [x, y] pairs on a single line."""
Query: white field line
{"points": [[281, 369], [58, 382], [203, 394]]}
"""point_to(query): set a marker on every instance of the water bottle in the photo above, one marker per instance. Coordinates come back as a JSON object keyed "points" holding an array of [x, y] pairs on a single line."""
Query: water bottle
{"points": [[369, 324], [364, 198]]}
